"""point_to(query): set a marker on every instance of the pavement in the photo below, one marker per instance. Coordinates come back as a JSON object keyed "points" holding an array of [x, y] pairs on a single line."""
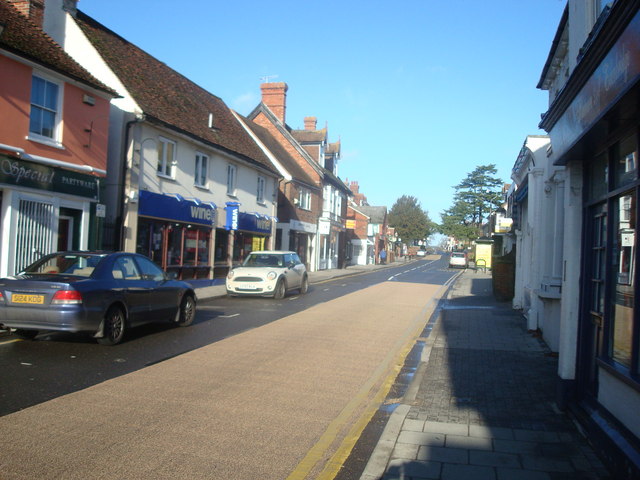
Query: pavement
{"points": [[481, 404]]}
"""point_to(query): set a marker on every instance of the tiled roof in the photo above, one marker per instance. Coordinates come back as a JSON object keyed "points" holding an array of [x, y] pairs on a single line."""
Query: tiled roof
{"points": [[333, 148], [310, 136], [376, 214], [25, 39], [169, 98], [281, 154]]}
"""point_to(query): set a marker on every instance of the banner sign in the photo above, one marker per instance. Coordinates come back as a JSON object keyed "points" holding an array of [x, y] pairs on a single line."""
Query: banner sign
{"points": [[23, 173], [232, 209], [176, 207]]}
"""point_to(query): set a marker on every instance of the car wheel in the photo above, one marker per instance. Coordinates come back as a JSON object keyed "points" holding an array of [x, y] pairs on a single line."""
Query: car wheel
{"points": [[187, 311], [280, 290], [304, 286], [25, 334], [114, 325]]}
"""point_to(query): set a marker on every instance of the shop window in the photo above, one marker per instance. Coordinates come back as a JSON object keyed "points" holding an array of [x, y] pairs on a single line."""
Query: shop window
{"points": [[625, 158], [166, 157], [623, 266], [149, 241], [44, 117], [598, 177], [220, 255], [174, 245]]}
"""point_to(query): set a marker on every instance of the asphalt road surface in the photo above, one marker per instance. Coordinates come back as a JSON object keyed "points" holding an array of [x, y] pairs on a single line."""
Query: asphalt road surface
{"points": [[254, 389]]}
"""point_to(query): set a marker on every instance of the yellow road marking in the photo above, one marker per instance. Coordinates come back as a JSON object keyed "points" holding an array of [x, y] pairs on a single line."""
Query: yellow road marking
{"points": [[388, 376]]}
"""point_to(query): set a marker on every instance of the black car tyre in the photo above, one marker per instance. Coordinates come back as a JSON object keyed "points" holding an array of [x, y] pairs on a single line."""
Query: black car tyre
{"points": [[280, 290], [25, 334], [114, 326], [304, 286], [187, 311]]}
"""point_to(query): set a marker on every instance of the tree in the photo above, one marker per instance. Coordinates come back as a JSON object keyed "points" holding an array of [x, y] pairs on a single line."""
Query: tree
{"points": [[481, 190], [475, 197], [411, 222]]}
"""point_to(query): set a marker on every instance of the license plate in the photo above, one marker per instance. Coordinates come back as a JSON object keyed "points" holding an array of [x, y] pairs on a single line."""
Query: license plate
{"points": [[247, 286], [34, 299]]}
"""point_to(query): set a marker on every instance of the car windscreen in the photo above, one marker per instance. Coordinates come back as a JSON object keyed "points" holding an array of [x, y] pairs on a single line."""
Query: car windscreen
{"points": [[264, 260], [458, 255]]}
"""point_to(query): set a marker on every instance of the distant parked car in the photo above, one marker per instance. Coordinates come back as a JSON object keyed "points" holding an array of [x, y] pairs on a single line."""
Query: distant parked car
{"points": [[421, 253], [268, 273], [458, 260], [99, 293]]}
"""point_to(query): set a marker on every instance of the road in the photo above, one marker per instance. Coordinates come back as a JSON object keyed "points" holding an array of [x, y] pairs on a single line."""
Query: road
{"points": [[254, 389]]}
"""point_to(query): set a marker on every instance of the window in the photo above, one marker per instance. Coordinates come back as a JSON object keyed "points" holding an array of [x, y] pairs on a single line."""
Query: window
{"points": [[150, 271], [45, 109], [304, 199], [231, 179], [260, 194], [166, 157], [200, 174]]}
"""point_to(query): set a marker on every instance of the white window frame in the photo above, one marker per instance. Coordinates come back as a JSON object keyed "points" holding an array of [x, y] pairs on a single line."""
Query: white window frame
{"points": [[166, 166], [56, 137], [304, 199], [232, 174], [201, 172], [262, 183]]}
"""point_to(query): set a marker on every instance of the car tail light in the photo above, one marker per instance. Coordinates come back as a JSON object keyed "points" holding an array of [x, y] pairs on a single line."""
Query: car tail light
{"points": [[67, 297], [1, 298]]}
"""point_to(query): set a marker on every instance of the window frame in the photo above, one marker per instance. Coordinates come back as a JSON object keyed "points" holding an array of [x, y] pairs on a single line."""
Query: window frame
{"points": [[262, 185], [232, 179], [201, 179], [162, 158], [56, 138], [304, 199]]}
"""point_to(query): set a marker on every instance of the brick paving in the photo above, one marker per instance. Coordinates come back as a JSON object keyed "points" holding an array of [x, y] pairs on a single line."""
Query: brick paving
{"points": [[484, 408]]}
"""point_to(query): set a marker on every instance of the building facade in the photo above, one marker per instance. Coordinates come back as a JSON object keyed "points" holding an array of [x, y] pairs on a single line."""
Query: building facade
{"points": [[592, 75], [53, 144]]}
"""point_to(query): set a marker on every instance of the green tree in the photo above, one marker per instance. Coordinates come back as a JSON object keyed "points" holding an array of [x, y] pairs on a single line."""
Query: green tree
{"points": [[411, 222], [475, 197]]}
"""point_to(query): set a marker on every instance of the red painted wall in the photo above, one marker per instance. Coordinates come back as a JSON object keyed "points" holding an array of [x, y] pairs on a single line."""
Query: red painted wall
{"points": [[79, 146]]}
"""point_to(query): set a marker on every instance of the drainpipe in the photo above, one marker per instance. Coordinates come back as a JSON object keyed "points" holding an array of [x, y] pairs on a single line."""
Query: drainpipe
{"points": [[125, 167]]}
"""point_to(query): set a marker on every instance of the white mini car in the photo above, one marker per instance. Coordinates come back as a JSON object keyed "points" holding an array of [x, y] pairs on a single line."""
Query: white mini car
{"points": [[268, 273], [458, 260]]}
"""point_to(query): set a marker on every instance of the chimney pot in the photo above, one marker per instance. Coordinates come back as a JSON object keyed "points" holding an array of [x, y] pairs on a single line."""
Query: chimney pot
{"points": [[274, 96], [310, 123], [32, 9]]}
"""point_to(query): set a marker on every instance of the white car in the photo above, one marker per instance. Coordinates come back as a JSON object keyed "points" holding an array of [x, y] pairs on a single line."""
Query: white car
{"points": [[458, 260], [268, 273]]}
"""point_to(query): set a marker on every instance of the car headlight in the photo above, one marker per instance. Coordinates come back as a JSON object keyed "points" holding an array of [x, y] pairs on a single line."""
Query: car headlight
{"points": [[272, 275], [230, 274]]}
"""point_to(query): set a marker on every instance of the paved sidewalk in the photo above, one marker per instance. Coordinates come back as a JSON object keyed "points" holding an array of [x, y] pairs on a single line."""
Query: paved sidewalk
{"points": [[481, 405]]}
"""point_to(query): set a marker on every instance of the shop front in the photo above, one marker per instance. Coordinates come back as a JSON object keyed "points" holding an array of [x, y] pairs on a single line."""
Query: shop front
{"points": [[177, 233], [595, 133], [253, 233], [45, 209], [301, 238]]}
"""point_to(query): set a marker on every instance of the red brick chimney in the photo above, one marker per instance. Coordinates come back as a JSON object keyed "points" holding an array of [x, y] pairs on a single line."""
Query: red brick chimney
{"points": [[310, 123], [33, 9], [274, 96]]}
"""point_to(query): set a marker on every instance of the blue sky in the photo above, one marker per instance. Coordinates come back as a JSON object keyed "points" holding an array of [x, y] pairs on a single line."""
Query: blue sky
{"points": [[419, 92]]}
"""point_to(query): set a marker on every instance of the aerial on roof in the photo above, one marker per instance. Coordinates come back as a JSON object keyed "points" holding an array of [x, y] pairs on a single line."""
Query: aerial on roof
{"points": [[168, 98], [24, 38]]}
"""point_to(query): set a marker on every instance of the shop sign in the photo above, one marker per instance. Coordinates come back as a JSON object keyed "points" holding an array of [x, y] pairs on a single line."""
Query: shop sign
{"points": [[324, 227], [615, 74], [232, 209], [23, 173], [177, 208], [252, 222], [350, 224], [303, 226]]}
